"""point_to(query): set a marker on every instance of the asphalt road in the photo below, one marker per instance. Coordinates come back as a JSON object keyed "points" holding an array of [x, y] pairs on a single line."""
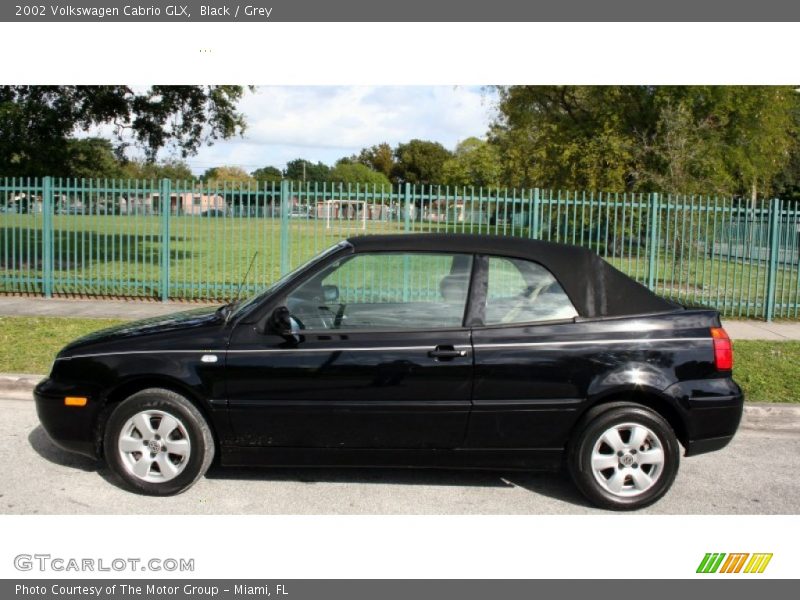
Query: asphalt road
{"points": [[755, 474]]}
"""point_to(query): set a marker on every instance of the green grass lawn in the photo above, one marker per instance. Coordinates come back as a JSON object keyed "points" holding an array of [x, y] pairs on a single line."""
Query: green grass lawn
{"points": [[29, 344], [768, 371]]}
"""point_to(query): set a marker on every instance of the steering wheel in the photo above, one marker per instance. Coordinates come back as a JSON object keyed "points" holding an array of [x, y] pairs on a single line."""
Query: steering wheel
{"points": [[314, 309], [337, 321], [326, 316], [300, 324]]}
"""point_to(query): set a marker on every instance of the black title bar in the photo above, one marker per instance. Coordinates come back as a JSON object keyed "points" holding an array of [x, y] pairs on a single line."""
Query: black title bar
{"points": [[400, 10]]}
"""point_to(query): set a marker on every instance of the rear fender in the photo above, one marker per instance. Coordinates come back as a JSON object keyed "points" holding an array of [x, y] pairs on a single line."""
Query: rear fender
{"points": [[634, 376]]}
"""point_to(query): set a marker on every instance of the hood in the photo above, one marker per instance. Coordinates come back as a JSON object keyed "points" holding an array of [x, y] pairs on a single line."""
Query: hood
{"points": [[167, 331]]}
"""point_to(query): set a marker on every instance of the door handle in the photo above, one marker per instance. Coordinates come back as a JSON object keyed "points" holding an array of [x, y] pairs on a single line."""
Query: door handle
{"points": [[446, 352]]}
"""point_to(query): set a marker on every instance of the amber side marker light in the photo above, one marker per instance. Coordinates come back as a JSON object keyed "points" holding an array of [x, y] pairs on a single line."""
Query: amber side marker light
{"points": [[74, 401], [723, 349]]}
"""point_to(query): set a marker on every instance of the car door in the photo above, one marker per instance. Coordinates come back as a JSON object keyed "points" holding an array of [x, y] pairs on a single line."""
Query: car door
{"points": [[380, 358], [529, 377]]}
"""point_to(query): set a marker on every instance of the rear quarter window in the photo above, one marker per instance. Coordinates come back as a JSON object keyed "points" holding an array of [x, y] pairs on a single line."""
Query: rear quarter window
{"points": [[522, 291]]}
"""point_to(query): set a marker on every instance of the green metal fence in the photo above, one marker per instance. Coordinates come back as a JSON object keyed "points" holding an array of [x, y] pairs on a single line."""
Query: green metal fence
{"points": [[184, 240]]}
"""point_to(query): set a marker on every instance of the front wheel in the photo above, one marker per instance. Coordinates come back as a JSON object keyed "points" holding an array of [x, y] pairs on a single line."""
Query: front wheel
{"points": [[158, 443], [625, 456]]}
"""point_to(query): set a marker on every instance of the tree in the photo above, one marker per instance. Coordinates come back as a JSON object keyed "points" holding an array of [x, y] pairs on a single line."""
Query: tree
{"points": [[475, 162], [346, 172], [732, 140], [91, 158], [173, 169], [36, 122], [572, 136], [226, 174], [378, 158], [268, 174], [301, 169], [419, 162]]}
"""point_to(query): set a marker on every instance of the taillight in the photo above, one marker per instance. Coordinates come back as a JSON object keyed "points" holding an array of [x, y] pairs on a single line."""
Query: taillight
{"points": [[723, 349]]}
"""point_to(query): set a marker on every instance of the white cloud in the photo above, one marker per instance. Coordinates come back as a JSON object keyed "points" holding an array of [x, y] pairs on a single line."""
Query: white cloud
{"points": [[326, 123]]}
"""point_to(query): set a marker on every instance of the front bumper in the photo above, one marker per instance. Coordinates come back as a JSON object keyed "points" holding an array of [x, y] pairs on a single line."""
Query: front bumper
{"points": [[71, 427]]}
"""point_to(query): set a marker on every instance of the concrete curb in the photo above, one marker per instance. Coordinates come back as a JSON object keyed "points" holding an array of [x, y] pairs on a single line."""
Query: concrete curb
{"points": [[18, 385], [757, 415]]}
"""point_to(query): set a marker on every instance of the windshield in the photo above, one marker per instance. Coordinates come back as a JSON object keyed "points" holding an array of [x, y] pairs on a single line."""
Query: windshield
{"points": [[253, 300]]}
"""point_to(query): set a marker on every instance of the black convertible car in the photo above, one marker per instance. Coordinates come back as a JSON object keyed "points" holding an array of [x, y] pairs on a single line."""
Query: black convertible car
{"points": [[451, 351]]}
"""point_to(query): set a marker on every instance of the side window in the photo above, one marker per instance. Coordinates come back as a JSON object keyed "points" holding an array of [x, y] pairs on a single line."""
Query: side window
{"points": [[521, 291], [385, 291]]}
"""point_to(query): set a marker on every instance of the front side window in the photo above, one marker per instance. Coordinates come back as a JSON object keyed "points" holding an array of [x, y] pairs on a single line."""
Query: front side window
{"points": [[521, 291], [385, 291]]}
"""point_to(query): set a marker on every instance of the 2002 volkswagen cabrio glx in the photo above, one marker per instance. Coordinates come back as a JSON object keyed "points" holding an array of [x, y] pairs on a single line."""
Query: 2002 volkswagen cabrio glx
{"points": [[410, 350]]}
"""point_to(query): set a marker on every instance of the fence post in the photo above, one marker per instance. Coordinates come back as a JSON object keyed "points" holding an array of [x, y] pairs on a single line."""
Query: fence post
{"points": [[47, 237], [165, 194], [407, 207], [653, 241], [285, 201], [774, 249], [535, 215]]}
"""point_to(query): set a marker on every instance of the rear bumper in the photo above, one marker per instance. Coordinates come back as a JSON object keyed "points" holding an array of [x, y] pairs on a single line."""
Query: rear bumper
{"points": [[695, 447], [712, 413]]}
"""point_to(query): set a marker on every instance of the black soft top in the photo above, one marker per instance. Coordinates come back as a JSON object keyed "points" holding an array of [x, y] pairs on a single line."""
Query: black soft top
{"points": [[595, 288]]}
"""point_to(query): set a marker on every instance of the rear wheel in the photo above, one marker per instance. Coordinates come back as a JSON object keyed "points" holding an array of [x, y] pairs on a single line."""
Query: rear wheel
{"points": [[158, 443], [625, 456]]}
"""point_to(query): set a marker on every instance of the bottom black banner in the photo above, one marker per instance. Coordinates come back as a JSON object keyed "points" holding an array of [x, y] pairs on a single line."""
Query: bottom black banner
{"points": [[389, 589]]}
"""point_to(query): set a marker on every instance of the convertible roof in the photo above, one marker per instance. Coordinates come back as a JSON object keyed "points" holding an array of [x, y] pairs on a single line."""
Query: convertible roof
{"points": [[596, 288]]}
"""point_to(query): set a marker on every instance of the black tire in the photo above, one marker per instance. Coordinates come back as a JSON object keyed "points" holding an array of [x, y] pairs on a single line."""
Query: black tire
{"points": [[192, 427], [589, 433]]}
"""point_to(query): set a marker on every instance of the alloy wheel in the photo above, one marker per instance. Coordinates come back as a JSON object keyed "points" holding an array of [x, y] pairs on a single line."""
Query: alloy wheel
{"points": [[154, 446], [627, 459]]}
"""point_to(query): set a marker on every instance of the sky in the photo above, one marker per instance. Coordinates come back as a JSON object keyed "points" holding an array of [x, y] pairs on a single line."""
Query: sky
{"points": [[325, 123]]}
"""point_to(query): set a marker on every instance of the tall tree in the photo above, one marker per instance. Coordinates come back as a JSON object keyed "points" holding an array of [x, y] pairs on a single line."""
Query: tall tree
{"points": [[173, 168], [301, 169], [475, 162], [227, 174], [268, 174], [683, 139], [420, 161], [378, 158], [91, 158], [347, 172], [36, 122]]}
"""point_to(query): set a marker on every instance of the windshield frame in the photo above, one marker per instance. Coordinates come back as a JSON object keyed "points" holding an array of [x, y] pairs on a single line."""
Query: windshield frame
{"points": [[250, 305]]}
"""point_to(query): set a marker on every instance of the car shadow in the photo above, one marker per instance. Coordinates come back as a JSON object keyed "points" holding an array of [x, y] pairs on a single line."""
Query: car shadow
{"points": [[552, 485], [557, 486], [48, 450]]}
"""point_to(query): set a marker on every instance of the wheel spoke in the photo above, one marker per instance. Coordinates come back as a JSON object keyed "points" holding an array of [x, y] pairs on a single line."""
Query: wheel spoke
{"points": [[179, 447], [168, 470], [142, 466], [641, 480], [611, 437], [654, 456], [167, 426], [130, 444], [142, 423], [638, 436], [615, 481], [601, 462]]}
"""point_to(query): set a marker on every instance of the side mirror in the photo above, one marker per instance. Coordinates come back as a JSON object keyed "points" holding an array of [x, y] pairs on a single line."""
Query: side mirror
{"points": [[281, 322], [330, 293]]}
